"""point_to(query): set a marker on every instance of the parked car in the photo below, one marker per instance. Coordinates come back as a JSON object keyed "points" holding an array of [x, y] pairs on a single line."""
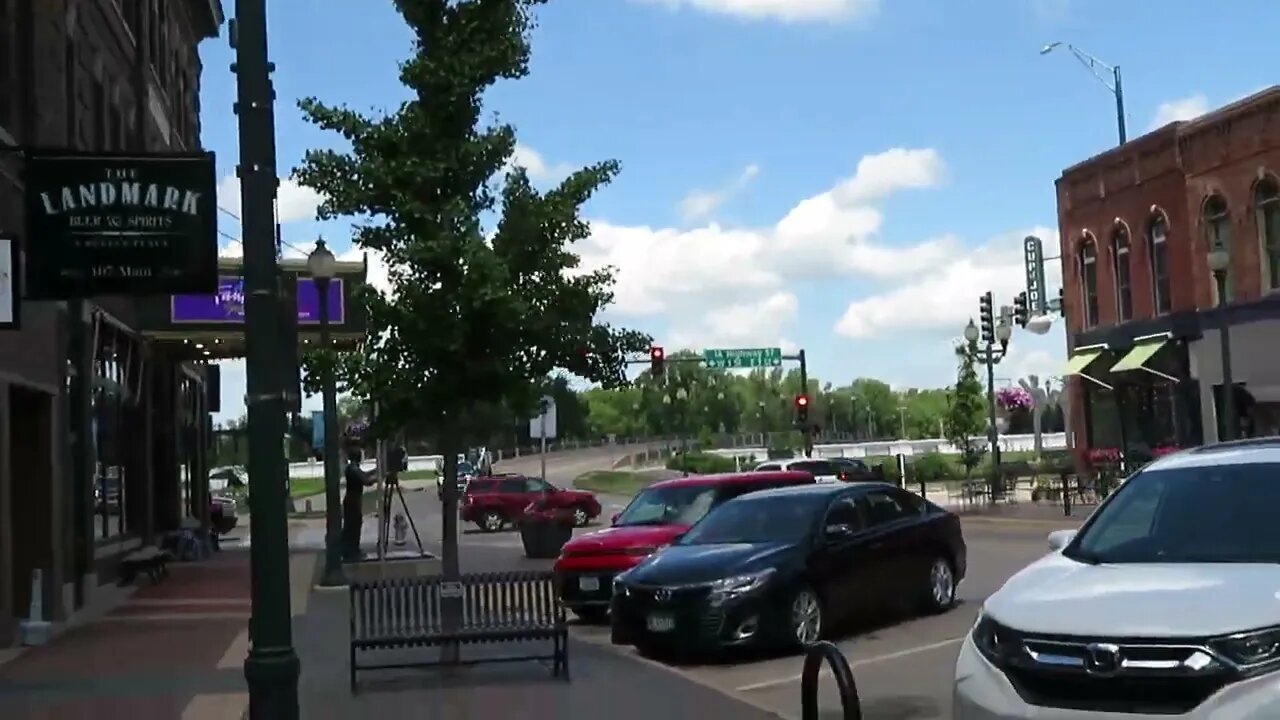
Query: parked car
{"points": [[494, 502], [223, 517], [783, 567], [823, 470], [466, 473], [1163, 603], [654, 517], [855, 470]]}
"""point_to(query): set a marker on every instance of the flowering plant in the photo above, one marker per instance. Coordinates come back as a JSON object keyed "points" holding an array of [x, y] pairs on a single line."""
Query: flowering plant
{"points": [[1104, 455], [1163, 450], [1013, 398]]}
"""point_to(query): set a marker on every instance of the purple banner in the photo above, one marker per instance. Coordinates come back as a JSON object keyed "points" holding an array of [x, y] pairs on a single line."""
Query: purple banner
{"points": [[227, 306]]}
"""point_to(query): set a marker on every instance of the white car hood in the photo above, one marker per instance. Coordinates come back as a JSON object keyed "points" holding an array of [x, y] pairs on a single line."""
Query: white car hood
{"points": [[1057, 595]]}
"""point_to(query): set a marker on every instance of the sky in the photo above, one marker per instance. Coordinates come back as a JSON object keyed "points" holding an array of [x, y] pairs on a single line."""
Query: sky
{"points": [[843, 176]]}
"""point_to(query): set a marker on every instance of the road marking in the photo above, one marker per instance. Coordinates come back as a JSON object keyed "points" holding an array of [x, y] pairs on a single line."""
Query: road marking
{"points": [[856, 664]]}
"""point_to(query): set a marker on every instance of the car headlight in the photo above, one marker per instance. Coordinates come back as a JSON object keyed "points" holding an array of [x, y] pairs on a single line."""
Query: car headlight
{"points": [[738, 585], [1250, 651], [996, 642]]}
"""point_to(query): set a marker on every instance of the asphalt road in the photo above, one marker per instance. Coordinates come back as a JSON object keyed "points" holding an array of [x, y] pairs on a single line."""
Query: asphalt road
{"points": [[903, 668]]}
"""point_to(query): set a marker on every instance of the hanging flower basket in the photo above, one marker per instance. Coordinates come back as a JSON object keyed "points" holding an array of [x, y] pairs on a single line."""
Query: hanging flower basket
{"points": [[1013, 399]]}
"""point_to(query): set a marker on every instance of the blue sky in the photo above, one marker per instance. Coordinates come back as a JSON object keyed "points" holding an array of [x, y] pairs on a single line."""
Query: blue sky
{"points": [[845, 176]]}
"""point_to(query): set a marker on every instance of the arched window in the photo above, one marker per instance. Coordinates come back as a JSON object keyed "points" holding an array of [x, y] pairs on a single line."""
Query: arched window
{"points": [[1089, 280], [1121, 271], [1217, 235], [1158, 252], [1266, 200]]}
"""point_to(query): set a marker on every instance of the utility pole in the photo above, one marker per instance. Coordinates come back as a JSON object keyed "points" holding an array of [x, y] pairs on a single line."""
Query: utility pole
{"points": [[271, 668]]}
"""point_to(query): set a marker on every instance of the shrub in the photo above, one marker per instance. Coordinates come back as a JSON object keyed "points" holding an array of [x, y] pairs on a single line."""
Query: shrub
{"points": [[930, 467], [701, 463]]}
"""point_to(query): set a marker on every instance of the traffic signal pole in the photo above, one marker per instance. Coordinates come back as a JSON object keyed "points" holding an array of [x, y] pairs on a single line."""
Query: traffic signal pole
{"points": [[806, 428]]}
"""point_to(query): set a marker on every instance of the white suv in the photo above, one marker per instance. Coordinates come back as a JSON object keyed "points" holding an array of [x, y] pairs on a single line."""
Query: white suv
{"points": [[1165, 602]]}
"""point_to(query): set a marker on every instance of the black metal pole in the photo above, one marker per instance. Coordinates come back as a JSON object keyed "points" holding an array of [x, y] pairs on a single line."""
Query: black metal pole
{"points": [[806, 428], [990, 358], [271, 668], [334, 576], [1229, 419]]}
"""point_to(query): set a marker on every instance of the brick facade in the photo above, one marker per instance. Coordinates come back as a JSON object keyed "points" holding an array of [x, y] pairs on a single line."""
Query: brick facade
{"points": [[1168, 173]]}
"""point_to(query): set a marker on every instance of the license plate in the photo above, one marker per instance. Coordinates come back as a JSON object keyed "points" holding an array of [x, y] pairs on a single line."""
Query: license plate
{"points": [[589, 584], [661, 623]]}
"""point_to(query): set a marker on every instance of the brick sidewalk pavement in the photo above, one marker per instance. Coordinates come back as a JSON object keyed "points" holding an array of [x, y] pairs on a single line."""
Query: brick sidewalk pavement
{"points": [[172, 651]]}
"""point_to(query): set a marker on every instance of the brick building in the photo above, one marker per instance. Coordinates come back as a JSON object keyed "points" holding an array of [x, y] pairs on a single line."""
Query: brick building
{"points": [[100, 429], [1136, 225]]}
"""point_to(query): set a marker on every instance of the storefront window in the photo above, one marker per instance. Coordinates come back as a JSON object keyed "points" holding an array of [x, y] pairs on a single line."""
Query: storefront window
{"points": [[112, 458], [1089, 281], [188, 437]]}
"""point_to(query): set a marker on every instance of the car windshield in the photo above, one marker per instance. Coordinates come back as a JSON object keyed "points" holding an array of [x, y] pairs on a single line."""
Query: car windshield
{"points": [[674, 505], [758, 519], [1213, 514]]}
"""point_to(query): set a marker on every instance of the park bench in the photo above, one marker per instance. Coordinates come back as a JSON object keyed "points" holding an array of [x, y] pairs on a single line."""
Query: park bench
{"points": [[150, 561], [507, 607]]}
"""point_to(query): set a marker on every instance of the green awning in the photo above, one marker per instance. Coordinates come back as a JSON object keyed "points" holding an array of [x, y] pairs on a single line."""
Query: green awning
{"points": [[1137, 358], [1081, 360]]}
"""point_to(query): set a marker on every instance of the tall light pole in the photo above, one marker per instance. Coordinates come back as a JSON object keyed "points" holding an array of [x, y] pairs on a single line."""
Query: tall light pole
{"points": [[1108, 75], [323, 265], [995, 345], [902, 420], [1219, 259], [271, 668]]}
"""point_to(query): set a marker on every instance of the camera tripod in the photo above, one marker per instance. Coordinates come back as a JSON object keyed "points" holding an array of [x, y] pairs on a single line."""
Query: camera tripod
{"points": [[384, 517]]}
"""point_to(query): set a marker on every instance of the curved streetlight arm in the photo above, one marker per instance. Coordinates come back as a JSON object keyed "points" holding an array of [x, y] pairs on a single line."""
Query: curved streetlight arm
{"points": [[1108, 75]]}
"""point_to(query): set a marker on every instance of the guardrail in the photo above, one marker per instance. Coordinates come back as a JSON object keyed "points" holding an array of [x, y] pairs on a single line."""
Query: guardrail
{"points": [[879, 448], [850, 704]]}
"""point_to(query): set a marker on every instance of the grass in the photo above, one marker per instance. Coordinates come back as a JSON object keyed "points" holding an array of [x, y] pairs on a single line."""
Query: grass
{"points": [[613, 482]]}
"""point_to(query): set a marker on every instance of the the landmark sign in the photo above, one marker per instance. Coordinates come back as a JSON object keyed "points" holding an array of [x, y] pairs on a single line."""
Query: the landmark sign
{"points": [[226, 306], [120, 224], [10, 295], [1033, 259], [743, 358]]}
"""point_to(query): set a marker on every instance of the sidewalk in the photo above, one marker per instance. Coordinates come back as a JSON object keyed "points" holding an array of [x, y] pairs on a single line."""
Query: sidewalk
{"points": [[172, 651]]}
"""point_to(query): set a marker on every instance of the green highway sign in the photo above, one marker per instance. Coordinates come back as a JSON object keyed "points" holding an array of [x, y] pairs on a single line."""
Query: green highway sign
{"points": [[743, 358]]}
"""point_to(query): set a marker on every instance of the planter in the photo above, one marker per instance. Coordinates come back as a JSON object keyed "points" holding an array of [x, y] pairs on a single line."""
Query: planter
{"points": [[544, 534]]}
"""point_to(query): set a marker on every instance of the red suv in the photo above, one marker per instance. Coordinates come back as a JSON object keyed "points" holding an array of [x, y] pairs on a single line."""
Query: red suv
{"points": [[655, 517], [493, 502]]}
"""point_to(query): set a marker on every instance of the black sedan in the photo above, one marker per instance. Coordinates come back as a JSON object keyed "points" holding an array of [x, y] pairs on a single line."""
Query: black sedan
{"points": [[782, 567]]}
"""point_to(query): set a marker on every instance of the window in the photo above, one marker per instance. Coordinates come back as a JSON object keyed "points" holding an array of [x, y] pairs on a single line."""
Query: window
{"points": [[511, 487], [1217, 236], [535, 485], [882, 509], [1089, 280], [1266, 200], [754, 519], [1120, 270], [113, 412], [844, 512], [1157, 239], [683, 505], [767, 467]]}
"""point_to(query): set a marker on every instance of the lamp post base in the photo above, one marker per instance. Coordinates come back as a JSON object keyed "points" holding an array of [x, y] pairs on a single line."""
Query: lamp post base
{"points": [[272, 677]]}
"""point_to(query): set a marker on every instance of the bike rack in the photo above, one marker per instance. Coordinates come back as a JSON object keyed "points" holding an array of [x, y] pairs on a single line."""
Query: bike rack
{"points": [[813, 657]]}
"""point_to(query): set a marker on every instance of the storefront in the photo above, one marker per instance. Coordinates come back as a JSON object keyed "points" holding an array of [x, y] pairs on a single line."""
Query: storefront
{"points": [[1255, 374]]}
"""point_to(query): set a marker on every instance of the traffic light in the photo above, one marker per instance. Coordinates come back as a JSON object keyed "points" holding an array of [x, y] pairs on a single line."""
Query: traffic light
{"points": [[1021, 313], [986, 319], [802, 408], [657, 361]]}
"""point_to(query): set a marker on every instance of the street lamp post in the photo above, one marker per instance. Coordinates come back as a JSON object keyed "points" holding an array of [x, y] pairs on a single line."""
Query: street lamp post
{"points": [[1113, 83], [991, 356], [271, 667], [323, 265], [1219, 259], [902, 420]]}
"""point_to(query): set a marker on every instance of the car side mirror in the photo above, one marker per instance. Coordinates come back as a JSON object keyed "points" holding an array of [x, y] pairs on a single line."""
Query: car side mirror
{"points": [[839, 531], [614, 520], [1059, 539]]}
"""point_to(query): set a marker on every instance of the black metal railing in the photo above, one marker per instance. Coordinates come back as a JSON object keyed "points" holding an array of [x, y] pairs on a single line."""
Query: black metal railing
{"points": [[850, 705]]}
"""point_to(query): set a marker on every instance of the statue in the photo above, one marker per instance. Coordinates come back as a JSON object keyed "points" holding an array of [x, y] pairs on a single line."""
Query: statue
{"points": [[1040, 399]]}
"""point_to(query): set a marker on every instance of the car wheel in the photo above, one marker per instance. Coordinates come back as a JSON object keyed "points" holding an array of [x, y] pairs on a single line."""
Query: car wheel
{"points": [[491, 521], [805, 617], [592, 615], [939, 593], [581, 517]]}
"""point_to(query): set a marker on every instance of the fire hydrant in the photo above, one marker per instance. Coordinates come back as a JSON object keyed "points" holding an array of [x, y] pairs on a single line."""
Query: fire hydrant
{"points": [[402, 529]]}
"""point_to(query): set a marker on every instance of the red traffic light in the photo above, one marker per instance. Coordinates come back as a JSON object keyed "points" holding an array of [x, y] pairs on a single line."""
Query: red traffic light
{"points": [[656, 353], [802, 401]]}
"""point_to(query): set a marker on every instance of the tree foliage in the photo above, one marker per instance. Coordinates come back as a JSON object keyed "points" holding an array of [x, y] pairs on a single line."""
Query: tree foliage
{"points": [[475, 323], [965, 425]]}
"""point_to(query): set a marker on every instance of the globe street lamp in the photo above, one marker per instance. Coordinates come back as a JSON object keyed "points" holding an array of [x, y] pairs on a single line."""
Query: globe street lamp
{"points": [[971, 332], [1219, 260], [323, 265]]}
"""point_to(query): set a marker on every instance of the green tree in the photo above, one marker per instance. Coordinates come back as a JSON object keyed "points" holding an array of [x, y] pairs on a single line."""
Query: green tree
{"points": [[472, 326], [964, 423]]}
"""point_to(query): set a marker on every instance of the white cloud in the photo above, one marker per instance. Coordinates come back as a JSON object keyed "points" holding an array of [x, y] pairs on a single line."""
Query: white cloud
{"points": [[537, 166], [700, 205], [827, 235], [761, 323], [295, 201], [946, 297], [783, 10], [1187, 108]]}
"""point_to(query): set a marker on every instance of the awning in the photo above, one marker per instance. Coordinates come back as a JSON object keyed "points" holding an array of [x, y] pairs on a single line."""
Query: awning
{"points": [[1142, 351], [1081, 360]]}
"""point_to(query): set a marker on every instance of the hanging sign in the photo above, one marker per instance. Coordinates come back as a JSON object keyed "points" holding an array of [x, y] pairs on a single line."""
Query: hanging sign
{"points": [[226, 306], [1033, 260], [10, 293], [120, 224]]}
